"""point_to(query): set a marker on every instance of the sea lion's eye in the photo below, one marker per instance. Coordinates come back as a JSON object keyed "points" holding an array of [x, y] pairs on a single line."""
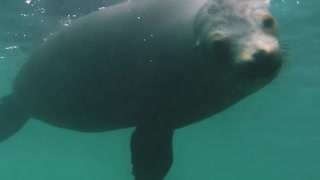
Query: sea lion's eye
{"points": [[218, 36], [219, 40], [268, 23], [221, 43], [220, 46]]}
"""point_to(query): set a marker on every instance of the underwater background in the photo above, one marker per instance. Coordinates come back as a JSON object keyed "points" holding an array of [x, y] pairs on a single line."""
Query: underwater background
{"points": [[273, 134]]}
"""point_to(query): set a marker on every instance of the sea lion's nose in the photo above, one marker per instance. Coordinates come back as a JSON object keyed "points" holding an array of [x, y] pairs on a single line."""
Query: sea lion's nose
{"points": [[263, 64], [259, 54]]}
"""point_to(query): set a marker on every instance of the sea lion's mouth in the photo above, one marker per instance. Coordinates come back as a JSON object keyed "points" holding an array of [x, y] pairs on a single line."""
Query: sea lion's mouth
{"points": [[260, 65], [263, 65]]}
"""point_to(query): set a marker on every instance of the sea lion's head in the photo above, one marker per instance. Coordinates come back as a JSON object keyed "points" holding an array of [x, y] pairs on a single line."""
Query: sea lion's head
{"points": [[240, 35]]}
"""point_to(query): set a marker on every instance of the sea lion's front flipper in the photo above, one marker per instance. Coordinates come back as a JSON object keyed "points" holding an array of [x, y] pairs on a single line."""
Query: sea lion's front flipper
{"points": [[151, 149], [13, 115]]}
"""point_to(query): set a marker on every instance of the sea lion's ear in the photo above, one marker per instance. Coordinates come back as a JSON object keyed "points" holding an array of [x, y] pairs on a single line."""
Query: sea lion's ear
{"points": [[151, 152]]}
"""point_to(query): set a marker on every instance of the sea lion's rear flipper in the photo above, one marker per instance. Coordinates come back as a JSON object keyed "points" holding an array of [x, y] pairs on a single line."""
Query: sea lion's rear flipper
{"points": [[152, 155], [13, 116]]}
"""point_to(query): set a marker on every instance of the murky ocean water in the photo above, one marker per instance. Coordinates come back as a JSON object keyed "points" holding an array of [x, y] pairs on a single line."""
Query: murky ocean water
{"points": [[273, 134]]}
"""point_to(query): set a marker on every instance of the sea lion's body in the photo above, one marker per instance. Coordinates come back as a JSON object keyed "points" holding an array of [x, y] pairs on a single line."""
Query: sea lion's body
{"points": [[134, 65], [105, 78]]}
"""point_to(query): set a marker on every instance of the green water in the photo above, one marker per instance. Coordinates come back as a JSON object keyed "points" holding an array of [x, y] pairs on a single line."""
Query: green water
{"points": [[271, 135]]}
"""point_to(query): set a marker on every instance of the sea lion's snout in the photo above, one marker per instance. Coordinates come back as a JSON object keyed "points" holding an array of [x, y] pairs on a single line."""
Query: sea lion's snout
{"points": [[263, 64], [260, 54]]}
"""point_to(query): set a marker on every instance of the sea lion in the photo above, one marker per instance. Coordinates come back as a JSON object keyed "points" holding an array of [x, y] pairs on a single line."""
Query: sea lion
{"points": [[153, 65]]}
